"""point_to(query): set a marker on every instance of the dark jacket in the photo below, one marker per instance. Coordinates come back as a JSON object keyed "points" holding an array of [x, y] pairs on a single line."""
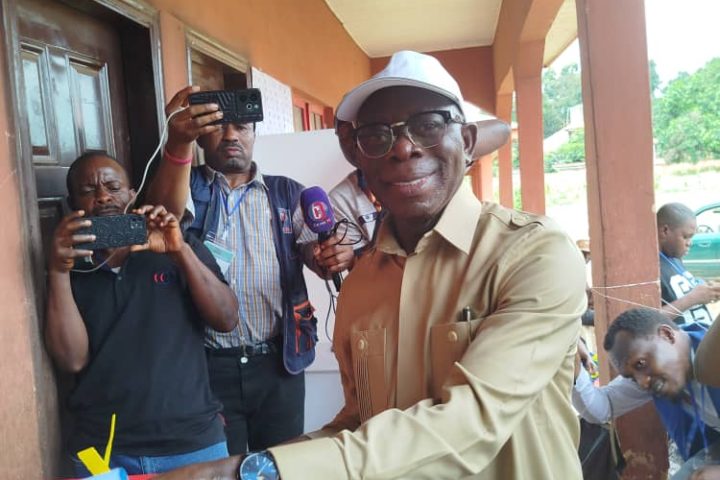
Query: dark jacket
{"points": [[299, 325]]}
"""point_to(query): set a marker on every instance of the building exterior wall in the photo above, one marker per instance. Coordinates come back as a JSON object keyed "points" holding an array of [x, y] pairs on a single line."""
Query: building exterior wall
{"points": [[301, 44], [23, 450]]}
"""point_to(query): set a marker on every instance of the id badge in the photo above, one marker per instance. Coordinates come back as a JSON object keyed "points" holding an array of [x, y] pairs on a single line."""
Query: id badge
{"points": [[223, 256]]}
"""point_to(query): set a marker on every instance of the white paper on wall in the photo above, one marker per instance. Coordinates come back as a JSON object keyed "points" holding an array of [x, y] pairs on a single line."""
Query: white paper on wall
{"points": [[277, 104]]}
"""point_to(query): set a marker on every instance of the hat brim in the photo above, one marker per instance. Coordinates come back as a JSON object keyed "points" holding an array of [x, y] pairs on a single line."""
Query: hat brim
{"points": [[348, 108]]}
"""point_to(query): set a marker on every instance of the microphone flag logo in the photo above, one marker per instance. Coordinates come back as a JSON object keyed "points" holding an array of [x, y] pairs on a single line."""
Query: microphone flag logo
{"points": [[319, 211]]}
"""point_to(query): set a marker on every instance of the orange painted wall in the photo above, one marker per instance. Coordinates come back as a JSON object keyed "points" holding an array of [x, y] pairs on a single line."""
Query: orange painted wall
{"points": [[471, 67], [300, 43], [23, 450]]}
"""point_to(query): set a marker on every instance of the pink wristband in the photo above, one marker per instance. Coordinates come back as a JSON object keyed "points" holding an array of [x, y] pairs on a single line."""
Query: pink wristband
{"points": [[176, 160]]}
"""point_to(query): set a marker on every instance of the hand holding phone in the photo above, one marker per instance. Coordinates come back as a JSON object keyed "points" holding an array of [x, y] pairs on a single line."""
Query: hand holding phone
{"points": [[238, 106], [164, 234], [114, 231], [66, 242], [188, 122]]}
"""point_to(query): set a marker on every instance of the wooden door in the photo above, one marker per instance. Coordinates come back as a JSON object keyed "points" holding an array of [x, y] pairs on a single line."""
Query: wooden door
{"points": [[74, 96]]}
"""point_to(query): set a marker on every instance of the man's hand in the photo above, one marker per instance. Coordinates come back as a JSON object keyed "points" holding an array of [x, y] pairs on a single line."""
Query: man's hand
{"points": [[705, 293], [708, 472], [583, 359], [332, 256], [164, 235], [62, 253], [225, 469], [186, 126]]}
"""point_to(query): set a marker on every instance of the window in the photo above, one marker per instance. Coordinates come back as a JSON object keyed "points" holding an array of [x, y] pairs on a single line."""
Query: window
{"points": [[309, 115]]}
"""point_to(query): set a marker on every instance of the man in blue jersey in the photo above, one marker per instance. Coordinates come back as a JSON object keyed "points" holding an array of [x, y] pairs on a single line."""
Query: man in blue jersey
{"points": [[683, 296]]}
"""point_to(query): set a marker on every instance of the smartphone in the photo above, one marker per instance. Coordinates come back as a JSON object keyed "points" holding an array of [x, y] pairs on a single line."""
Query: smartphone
{"points": [[115, 231], [238, 106]]}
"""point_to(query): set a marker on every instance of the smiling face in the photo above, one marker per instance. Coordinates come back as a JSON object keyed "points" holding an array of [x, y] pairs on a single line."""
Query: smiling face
{"points": [[229, 149], [659, 363], [414, 183], [100, 187]]}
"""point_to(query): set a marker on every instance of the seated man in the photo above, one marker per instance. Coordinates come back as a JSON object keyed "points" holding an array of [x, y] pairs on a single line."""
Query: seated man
{"points": [[683, 296], [131, 329], [654, 357]]}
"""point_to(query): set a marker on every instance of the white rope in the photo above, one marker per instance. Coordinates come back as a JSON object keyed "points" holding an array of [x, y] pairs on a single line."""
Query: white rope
{"points": [[597, 290]]}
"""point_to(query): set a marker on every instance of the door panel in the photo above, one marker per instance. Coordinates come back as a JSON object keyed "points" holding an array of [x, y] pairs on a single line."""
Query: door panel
{"points": [[91, 106], [74, 96], [74, 90], [35, 103]]}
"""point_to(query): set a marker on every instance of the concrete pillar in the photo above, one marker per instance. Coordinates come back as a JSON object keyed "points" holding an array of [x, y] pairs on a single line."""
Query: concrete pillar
{"points": [[503, 110], [481, 175], [618, 145], [527, 71]]}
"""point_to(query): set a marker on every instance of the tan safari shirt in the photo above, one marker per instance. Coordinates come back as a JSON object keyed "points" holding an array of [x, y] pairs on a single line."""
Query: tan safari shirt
{"points": [[429, 396]]}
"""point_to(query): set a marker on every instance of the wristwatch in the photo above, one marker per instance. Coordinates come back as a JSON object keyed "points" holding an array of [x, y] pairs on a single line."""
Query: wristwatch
{"points": [[258, 466]]}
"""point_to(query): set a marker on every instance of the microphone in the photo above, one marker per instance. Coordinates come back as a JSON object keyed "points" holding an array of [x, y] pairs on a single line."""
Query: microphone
{"points": [[319, 218]]}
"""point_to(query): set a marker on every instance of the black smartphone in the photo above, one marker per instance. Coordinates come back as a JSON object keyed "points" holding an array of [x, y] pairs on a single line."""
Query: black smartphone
{"points": [[115, 231], [238, 106]]}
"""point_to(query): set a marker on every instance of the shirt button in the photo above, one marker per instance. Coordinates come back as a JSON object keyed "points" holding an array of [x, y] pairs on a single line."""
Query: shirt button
{"points": [[452, 336], [362, 344]]}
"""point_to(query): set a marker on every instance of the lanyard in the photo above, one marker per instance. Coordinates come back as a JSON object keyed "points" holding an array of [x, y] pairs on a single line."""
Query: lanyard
{"points": [[225, 198]]}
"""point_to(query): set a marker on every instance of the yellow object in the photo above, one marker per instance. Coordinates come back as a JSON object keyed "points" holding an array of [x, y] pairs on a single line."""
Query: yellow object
{"points": [[92, 460]]}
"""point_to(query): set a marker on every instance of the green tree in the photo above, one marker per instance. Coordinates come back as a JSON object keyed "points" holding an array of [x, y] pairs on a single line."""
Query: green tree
{"points": [[654, 78], [571, 152], [686, 119], [560, 92]]}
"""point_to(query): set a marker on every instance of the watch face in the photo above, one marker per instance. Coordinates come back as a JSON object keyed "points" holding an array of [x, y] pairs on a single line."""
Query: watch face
{"points": [[259, 466]]}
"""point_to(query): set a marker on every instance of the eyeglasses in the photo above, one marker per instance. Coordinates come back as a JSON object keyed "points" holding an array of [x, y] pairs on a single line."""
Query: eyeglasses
{"points": [[424, 129]]}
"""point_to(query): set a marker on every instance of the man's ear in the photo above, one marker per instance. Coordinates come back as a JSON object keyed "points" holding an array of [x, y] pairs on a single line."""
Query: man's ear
{"points": [[70, 202], [470, 137], [666, 332]]}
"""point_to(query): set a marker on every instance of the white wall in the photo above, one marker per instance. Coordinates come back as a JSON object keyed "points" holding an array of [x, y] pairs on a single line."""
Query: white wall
{"points": [[313, 159]]}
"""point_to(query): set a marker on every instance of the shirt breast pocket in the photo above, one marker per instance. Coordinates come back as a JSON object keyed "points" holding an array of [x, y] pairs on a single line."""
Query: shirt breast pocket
{"points": [[368, 357], [448, 343]]}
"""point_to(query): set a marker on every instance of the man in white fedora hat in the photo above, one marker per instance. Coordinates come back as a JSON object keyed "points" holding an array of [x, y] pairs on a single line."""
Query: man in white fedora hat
{"points": [[456, 334]]}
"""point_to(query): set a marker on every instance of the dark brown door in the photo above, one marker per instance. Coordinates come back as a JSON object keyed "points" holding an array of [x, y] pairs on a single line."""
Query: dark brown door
{"points": [[74, 95]]}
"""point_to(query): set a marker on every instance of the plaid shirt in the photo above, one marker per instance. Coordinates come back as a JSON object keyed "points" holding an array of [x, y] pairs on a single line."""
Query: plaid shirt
{"points": [[245, 228]]}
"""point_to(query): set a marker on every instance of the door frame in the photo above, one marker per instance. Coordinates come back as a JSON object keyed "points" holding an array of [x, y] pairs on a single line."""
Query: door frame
{"points": [[195, 40], [137, 11]]}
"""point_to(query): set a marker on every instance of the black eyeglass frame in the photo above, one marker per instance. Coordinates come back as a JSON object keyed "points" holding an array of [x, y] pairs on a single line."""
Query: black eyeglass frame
{"points": [[448, 118]]}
